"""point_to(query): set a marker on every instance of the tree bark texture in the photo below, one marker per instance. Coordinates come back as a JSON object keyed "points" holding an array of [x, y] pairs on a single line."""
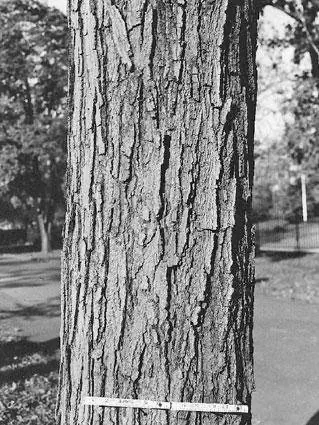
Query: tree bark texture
{"points": [[157, 285]]}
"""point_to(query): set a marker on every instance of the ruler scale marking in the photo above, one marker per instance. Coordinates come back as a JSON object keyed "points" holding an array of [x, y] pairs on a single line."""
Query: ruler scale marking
{"points": [[165, 405]]}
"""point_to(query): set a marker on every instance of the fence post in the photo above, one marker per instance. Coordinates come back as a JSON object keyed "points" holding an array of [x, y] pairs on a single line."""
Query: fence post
{"points": [[304, 198], [297, 236]]}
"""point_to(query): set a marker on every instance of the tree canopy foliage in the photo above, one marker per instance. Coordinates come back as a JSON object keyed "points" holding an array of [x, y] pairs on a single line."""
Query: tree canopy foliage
{"points": [[33, 86], [33, 74], [304, 32], [297, 148]]}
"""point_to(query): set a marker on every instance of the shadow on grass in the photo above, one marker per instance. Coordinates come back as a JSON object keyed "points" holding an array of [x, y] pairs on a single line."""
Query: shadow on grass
{"points": [[25, 372], [17, 349], [261, 279], [16, 261], [314, 420], [13, 367], [29, 279], [50, 308], [276, 256]]}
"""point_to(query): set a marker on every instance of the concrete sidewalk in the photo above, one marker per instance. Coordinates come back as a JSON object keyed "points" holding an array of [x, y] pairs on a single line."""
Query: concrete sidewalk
{"points": [[286, 337], [30, 295]]}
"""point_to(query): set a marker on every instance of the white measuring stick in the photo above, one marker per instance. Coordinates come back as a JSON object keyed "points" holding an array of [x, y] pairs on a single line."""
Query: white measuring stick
{"points": [[165, 405], [125, 402], [209, 407]]}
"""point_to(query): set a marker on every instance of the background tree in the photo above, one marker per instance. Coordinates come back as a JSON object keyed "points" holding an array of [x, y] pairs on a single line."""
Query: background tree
{"points": [[301, 136], [303, 32], [33, 74], [301, 139], [296, 147], [275, 88], [157, 267]]}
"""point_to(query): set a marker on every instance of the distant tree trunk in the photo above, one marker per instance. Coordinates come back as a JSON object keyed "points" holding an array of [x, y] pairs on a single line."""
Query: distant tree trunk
{"points": [[45, 228], [157, 269], [314, 62]]}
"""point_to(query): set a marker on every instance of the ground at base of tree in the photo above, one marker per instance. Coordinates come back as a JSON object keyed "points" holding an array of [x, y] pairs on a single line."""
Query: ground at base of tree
{"points": [[29, 343], [28, 380], [29, 286]]}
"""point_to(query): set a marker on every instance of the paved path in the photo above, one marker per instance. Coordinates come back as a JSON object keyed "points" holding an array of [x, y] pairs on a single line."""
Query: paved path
{"points": [[286, 338], [29, 295], [286, 362]]}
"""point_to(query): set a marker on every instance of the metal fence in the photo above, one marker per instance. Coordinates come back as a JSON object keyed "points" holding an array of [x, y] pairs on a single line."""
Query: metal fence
{"points": [[280, 235]]}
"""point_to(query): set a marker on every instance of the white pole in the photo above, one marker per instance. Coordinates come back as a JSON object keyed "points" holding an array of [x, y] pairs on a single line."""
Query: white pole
{"points": [[304, 198]]}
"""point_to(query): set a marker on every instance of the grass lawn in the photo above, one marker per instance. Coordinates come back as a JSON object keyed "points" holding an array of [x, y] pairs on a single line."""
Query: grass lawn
{"points": [[289, 275]]}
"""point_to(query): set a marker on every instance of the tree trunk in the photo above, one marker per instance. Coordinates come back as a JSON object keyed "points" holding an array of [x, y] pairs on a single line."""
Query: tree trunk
{"points": [[314, 62], [45, 228], [157, 271]]}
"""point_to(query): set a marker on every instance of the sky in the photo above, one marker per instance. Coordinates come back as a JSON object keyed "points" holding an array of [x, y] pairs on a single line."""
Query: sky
{"points": [[60, 4]]}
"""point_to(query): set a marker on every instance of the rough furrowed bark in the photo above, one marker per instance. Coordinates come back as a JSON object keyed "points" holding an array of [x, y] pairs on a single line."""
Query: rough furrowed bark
{"points": [[157, 298]]}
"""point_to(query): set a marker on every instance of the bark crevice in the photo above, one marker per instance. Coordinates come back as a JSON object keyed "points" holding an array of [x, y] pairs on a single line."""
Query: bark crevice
{"points": [[157, 262]]}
